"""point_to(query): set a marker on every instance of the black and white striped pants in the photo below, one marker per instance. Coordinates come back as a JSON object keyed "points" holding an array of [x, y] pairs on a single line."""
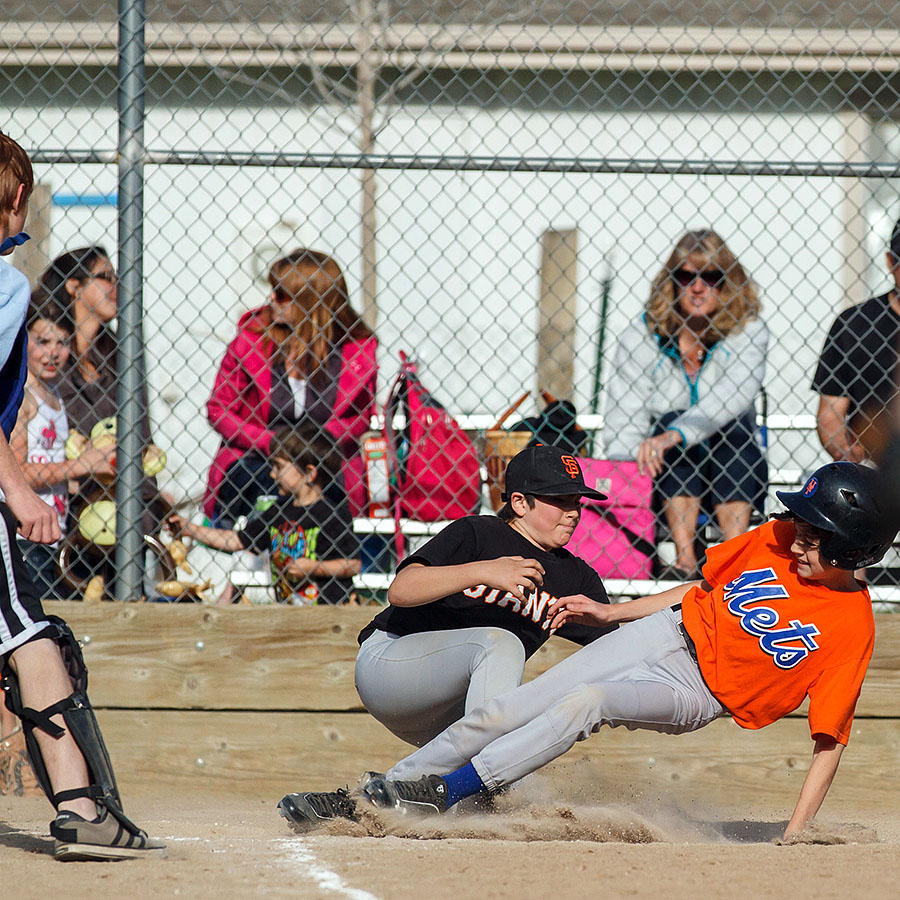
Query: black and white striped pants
{"points": [[21, 613]]}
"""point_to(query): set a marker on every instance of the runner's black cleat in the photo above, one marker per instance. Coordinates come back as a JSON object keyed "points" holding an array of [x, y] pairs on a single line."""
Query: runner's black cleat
{"points": [[366, 777], [425, 796], [305, 811]]}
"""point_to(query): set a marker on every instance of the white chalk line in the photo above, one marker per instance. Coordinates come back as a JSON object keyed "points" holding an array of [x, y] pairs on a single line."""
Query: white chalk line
{"points": [[300, 853]]}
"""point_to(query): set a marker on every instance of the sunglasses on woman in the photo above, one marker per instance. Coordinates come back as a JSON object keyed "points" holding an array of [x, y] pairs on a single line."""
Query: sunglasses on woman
{"points": [[713, 278]]}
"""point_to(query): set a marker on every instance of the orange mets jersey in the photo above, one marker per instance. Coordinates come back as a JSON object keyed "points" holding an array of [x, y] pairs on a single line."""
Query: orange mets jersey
{"points": [[767, 638]]}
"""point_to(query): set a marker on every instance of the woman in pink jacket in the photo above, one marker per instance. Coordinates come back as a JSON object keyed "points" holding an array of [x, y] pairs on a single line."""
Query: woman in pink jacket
{"points": [[305, 358]]}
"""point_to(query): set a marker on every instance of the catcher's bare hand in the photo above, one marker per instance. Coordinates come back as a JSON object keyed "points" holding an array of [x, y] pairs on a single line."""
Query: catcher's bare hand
{"points": [[515, 574], [37, 521], [579, 609]]}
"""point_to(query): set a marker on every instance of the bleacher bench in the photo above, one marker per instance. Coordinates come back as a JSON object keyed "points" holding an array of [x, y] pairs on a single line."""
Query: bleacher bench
{"points": [[417, 532]]}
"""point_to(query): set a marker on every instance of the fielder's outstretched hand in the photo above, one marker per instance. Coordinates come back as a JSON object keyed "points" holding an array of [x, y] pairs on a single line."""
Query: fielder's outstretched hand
{"points": [[579, 609]]}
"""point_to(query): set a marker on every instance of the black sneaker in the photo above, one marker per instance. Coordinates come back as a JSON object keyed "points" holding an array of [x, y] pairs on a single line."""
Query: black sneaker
{"points": [[305, 811], [366, 777], [426, 796]]}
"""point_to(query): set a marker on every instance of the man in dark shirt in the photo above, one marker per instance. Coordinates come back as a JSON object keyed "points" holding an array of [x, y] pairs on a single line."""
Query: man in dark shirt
{"points": [[856, 374]]}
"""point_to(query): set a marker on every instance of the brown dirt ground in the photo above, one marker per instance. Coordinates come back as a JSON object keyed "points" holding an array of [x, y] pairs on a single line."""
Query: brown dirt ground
{"points": [[550, 837]]}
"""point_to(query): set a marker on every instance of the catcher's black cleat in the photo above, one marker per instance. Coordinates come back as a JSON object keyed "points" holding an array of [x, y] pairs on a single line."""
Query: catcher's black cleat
{"points": [[305, 811], [426, 796]]}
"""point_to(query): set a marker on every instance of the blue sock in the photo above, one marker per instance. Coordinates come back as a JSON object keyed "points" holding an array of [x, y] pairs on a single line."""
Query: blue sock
{"points": [[462, 783]]}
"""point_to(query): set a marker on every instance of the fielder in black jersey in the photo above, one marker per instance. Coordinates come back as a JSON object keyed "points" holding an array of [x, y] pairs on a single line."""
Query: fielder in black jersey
{"points": [[468, 608], [485, 538]]}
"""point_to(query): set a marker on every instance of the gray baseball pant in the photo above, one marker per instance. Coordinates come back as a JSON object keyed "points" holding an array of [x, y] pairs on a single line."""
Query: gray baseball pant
{"points": [[418, 684], [640, 676]]}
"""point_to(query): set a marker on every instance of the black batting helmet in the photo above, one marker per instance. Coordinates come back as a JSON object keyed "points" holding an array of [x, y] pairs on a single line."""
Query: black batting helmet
{"points": [[845, 500]]}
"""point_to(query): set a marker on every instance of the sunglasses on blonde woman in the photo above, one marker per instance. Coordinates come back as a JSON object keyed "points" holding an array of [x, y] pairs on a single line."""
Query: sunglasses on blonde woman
{"points": [[713, 278]]}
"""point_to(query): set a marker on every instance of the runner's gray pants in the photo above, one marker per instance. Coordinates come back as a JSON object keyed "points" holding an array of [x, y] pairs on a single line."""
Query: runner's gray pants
{"points": [[640, 676], [418, 684]]}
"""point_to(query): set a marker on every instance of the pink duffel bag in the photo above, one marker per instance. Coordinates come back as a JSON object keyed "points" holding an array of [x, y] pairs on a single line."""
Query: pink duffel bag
{"points": [[616, 536]]}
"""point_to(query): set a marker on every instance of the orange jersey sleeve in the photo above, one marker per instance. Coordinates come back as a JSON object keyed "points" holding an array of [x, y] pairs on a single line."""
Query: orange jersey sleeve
{"points": [[833, 696]]}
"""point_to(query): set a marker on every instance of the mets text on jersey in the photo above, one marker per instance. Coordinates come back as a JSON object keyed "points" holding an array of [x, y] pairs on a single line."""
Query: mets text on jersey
{"points": [[761, 621]]}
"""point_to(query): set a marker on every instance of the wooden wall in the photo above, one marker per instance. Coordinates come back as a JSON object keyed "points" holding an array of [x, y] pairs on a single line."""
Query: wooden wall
{"points": [[260, 700]]}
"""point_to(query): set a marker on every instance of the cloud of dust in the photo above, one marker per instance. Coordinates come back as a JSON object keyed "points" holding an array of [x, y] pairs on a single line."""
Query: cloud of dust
{"points": [[521, 822], [830, 835], [575, 805]]}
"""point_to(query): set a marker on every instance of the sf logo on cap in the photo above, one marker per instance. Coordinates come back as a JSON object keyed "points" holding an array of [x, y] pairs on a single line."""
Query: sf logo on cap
{"points": [[571, 466]]}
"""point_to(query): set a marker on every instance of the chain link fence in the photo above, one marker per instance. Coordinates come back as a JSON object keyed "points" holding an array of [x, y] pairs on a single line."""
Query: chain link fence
{"points": [[500, 190]]}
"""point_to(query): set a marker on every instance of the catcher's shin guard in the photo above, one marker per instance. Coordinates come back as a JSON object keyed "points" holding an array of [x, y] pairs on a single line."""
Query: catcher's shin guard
{"points": [[78, 715]]}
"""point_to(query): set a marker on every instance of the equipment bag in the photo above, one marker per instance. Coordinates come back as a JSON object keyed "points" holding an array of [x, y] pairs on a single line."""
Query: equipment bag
{"points": [[434, 468], [616, 535]]}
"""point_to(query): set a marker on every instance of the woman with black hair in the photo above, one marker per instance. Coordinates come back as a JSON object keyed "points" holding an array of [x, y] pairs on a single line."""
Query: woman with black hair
{"points": [[82, 288], [83, 285]]}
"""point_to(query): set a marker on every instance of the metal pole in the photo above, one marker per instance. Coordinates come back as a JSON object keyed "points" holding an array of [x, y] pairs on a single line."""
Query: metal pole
{"points": [[366, 74], [129, 474], [605, 287]]}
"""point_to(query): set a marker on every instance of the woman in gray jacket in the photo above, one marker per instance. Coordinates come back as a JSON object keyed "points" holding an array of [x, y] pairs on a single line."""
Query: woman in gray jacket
{"points": [[682, 391]]}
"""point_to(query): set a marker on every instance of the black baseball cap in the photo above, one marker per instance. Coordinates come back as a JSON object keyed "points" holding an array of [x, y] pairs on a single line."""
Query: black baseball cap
{"points": [[547, 472]]}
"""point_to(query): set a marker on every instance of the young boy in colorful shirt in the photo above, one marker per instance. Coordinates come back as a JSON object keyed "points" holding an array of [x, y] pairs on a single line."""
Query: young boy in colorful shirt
{"points": [[777, 617], [308, 535]]}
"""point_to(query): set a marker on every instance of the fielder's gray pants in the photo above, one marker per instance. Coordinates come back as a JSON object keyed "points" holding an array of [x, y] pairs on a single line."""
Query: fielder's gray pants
{"points": [[418, 684], [640, 676]]}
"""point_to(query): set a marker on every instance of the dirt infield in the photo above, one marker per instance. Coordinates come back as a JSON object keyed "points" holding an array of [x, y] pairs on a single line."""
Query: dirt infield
{"points": [[555, 836], [209, 721]]}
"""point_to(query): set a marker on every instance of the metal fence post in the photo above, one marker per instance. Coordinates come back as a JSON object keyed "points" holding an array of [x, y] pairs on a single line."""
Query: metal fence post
{"points": [[130, 96]]}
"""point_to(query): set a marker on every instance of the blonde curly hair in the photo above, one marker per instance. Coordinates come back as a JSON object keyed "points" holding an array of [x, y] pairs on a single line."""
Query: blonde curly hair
{"points": [[738, 298]]}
